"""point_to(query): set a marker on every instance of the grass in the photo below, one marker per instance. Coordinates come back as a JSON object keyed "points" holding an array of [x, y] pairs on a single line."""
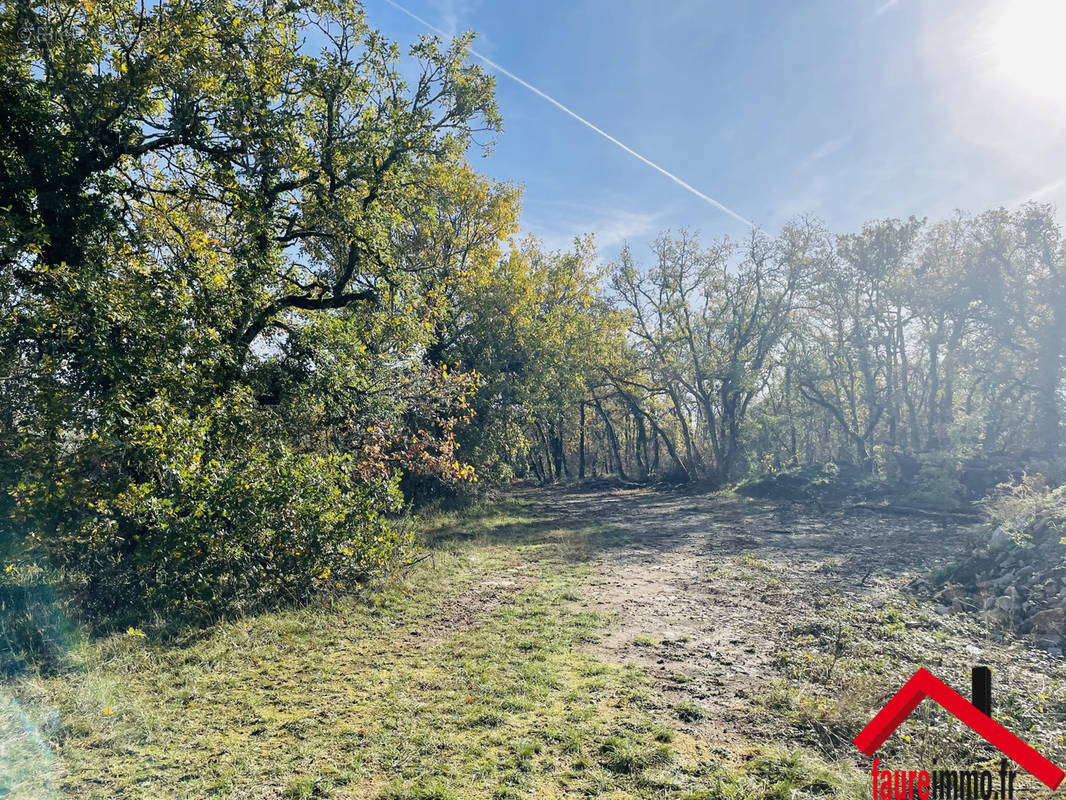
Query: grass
{"points": [[467, 678], [688, 711]]}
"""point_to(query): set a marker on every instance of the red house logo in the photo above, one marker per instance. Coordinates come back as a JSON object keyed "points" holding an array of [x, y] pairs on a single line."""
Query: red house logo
{"points": [[924, 684]]}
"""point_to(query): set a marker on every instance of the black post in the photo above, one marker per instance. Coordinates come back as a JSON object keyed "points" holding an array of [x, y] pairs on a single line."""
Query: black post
{"points": [[981, 682]]}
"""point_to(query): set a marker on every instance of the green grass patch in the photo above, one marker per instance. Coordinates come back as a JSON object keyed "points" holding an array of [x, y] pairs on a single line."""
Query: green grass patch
{"points": [[467, 678]]}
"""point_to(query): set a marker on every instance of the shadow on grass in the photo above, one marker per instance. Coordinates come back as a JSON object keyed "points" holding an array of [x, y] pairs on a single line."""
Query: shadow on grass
{"points": [[523, 523]]}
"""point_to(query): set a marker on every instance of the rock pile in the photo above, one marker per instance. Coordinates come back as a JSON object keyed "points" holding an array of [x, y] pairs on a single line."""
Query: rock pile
{"points": [[1016, 588]]}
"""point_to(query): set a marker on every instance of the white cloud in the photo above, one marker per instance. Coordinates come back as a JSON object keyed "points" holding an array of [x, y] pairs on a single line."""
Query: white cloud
{"points": [[610, 227]]}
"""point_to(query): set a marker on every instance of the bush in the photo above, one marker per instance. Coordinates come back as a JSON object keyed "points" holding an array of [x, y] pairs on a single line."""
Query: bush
{"points": [[1027, 511], [937, 483], [186, 516]]}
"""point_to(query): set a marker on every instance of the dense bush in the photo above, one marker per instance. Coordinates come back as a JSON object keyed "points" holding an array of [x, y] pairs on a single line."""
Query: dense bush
{"points": [[182, 515]]}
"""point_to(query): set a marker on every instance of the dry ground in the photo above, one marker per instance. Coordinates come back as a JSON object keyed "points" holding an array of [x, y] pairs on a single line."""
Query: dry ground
{"points": [[767, 622]]}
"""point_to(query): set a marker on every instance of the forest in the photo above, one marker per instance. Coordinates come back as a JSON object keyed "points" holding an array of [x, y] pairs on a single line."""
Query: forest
{"points": [[258, 306]]}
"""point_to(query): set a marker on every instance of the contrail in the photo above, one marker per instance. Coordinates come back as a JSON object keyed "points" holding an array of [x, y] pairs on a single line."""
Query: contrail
{"points": [[686, 186]]}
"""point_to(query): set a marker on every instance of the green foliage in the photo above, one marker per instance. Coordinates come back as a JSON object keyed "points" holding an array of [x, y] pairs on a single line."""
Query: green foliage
{"points": [[212, 316], [626, 757], [253, 297], [907, 351], [219, 510], [1028, 509], [689, 712], [535, 326]]}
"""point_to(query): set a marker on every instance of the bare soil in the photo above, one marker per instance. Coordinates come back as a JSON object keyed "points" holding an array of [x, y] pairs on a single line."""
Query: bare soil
{"points": [[786, 624]]}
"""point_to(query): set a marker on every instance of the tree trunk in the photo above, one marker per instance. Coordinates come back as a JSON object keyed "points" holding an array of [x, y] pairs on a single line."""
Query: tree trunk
{"points": [[612, 439], [581, 444]]}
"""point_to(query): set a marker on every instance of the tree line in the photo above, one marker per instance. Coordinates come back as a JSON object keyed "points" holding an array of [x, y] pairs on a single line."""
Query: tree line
{"points": [[254, 298], [909, 349]]}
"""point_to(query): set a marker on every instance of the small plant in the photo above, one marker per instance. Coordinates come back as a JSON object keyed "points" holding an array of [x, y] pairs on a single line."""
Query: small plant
{"points": [[626, 757], [644, 641], [299, 789], [661, 733], [688, 711], [753, 561]]}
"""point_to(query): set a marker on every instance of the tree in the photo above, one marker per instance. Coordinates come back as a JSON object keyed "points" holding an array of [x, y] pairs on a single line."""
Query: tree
{"points": [[1020, 278], [535, 329], [706, 326], [210, 314]]}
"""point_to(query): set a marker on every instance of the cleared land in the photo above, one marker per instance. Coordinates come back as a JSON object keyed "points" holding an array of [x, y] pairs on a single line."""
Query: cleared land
{"points": [[556, 644]]}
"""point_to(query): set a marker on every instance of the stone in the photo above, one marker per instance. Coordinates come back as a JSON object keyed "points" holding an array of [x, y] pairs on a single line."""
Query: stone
{"points": [[996, 616], [999, 539], [1050, 620], [1004, 580], [1004, 602]]}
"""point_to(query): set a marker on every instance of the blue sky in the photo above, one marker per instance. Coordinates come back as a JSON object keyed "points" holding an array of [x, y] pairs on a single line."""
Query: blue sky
{"points": [[846, 109]]}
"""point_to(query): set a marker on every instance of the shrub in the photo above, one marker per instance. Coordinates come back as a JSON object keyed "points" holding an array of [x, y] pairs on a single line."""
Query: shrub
{"points": [[185, 516], [1028, 509], [937, 483]]}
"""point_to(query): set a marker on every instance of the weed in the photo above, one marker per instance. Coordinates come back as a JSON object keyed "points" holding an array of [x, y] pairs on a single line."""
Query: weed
{"points": [[688, 711]]}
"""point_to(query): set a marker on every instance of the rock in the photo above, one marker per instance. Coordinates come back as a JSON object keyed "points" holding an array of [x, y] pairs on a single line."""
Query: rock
{"points": [[1005, 603], [949, 594], [1004, 580], [942, 609], [996, 616], [1050, 620], [990, 602], [998, 540]]}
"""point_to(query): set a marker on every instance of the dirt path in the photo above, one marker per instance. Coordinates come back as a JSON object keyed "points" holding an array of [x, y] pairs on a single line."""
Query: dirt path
{"points": [[781, 623]]}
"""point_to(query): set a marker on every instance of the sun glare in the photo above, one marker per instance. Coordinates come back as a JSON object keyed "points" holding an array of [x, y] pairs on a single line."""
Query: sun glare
{"points": [[1024, 45]]}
